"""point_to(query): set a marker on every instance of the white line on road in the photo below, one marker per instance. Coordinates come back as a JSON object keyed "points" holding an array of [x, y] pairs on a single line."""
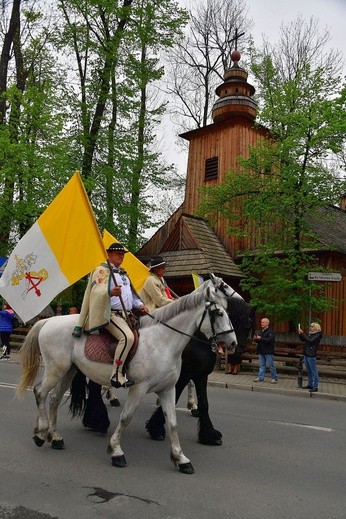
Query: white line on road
{"points": [[8, 385], [305, 426]]}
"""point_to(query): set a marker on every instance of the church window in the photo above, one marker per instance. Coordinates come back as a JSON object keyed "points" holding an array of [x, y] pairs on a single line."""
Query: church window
{"points": [[211, 168]]}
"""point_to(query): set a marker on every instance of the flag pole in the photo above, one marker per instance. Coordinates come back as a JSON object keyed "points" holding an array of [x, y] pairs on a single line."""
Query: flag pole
{"points": [[102, 245], [120, 298]]}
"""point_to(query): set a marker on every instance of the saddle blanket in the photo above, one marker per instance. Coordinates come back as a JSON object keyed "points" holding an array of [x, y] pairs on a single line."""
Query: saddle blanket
{"points": [[101, 348]]}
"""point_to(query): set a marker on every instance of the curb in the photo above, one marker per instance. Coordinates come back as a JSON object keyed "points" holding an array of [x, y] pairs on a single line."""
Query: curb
{"points": [[285, 392], [263, 389]]}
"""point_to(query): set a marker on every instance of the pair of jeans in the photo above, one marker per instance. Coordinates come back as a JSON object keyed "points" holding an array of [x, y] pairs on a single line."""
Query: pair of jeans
{"points": [[311, 368], [263, 360]]}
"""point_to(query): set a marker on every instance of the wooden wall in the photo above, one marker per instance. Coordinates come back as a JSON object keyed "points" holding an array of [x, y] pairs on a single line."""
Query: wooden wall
{"points": [[227, 141]]}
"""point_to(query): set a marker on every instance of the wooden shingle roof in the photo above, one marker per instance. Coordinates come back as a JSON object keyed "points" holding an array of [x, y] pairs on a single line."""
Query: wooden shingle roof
{"points": [[329, 226], [192, 246]]}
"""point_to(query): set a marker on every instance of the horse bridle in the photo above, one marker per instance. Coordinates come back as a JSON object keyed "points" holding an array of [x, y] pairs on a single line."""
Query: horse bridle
{"points": [[213, 313], [222, 289]]}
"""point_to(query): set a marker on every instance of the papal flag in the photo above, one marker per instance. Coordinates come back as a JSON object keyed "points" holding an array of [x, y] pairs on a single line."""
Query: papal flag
{"points": [[136, 270], [62, 246], [197, 280]]}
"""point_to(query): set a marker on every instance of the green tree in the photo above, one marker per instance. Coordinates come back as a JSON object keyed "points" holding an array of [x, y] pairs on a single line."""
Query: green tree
{"points": [[197, 63], [286, 179], [118, 133], [32, 152]]}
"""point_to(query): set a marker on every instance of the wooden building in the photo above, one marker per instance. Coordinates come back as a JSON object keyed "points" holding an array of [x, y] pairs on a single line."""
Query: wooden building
{"points": [[189, 244]]}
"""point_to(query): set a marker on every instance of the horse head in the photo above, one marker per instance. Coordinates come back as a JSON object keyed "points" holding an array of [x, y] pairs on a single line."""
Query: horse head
{"points": [[238, 310], [221, 286], [215, 323]]}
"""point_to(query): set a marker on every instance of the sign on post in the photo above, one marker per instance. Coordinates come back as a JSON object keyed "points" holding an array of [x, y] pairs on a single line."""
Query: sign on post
{"points": [[324, 276]]}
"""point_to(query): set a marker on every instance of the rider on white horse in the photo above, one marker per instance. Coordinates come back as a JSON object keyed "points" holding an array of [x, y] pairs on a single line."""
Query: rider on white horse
{"points": [[104, 306], [155, 292]]}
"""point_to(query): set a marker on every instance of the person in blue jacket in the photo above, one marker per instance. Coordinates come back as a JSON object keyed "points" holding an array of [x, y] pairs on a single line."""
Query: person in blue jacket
{"points": [[6, 328]]}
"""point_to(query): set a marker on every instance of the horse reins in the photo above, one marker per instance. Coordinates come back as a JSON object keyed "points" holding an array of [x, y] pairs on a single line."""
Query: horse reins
{"points": [[212, 314]]}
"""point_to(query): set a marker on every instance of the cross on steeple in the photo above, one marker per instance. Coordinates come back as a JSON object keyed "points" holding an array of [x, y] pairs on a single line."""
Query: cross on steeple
{"points": [[236, 38]]}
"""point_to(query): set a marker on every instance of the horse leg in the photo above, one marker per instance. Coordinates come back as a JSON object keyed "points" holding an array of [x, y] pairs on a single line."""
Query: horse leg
{"points": [[155, 426], [110, 395], [167, 399], [132, 402], [56, 395], [191, 399], [95, 414], [207, 435], [41, 391], [191, 402]]}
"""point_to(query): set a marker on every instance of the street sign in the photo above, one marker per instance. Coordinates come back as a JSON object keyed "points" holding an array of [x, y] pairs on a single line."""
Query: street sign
{"points": [[324, 276]]}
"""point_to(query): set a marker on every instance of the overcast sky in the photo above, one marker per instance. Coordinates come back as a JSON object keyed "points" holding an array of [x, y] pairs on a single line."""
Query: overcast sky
{"points": [[267, 16]]}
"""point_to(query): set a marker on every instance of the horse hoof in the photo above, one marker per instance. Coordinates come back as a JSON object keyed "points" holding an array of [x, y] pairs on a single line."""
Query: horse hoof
{"points": [[38, 441], [186, 468], [215, 441], [114, 402], [195, 413], [58, 445], [119, 461], [159, 437]]}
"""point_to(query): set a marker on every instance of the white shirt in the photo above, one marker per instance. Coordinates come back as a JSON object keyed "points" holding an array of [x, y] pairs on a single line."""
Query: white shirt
{"points": [[130, 299]]}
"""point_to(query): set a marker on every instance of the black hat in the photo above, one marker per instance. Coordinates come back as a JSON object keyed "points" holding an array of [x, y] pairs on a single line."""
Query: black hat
{"points": [[155, 262], [116, 247]]}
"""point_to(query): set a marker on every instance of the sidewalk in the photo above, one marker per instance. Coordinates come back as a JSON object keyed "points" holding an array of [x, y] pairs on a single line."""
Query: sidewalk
{"points": [[329, 388]]}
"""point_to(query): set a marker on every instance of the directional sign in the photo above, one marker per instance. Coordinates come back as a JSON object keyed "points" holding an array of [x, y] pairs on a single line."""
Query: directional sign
{"points": [[324, 276]]}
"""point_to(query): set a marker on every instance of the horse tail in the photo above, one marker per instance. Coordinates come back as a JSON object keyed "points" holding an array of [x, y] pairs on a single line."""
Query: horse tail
{"points": [[29, 358], [78, 394]]}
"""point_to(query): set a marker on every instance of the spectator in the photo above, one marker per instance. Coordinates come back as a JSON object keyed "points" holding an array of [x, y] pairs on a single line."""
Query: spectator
{"points": [[6, 328], [311, 342], [265, 348], [73, 310], [234, 362]]}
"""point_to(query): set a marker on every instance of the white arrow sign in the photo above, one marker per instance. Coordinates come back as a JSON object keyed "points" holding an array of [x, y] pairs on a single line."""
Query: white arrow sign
{"points": [[324, 276]]}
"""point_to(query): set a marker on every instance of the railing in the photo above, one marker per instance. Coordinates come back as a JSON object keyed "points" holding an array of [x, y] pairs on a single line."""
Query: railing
{"points": [[331, 360], [17, 337]]}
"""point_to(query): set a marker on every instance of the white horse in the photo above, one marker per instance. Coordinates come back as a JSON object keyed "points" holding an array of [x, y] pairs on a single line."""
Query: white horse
{"points": [[155, 367]]}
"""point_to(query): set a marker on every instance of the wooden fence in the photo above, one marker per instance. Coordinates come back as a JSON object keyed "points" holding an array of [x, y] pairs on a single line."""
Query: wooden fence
{"points": [[331, 357]]}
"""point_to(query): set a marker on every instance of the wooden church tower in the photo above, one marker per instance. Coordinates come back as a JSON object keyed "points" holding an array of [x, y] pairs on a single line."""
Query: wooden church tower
{"points": [[214, 149], [188, 244]]}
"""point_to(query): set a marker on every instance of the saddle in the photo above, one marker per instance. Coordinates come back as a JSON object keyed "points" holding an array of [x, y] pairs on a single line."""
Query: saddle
{"points": [[101, 347]]}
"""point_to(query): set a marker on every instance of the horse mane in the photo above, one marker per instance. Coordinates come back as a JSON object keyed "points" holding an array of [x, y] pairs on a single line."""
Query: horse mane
{"points": [[165, 313], [239, 311]]}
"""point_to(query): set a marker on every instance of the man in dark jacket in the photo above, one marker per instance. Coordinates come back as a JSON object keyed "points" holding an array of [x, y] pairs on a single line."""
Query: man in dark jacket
{"points": [[311, 342], [265, 348]]}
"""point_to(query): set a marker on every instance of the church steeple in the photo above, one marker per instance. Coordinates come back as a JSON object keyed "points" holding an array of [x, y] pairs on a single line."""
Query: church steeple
{"points": [[235, 94]]}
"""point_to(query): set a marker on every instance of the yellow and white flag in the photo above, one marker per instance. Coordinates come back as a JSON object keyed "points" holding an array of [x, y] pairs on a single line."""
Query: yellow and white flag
{"points": [[137, 271], [62, 246], [197, 280]]}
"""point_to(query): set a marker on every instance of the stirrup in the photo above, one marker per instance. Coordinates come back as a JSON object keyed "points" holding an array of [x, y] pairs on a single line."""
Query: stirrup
{"points": [[115, 383]]}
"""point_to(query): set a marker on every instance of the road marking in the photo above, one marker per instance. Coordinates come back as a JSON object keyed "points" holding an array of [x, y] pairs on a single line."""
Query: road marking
{"points": [[305, 426], [8, 385]]}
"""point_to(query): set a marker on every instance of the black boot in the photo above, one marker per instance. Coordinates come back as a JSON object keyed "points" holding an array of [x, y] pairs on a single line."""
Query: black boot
{"points": [[115, 382]]}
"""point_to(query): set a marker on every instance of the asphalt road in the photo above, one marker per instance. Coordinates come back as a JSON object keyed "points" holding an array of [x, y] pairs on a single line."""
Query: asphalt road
{"points": [[282, 457]]}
